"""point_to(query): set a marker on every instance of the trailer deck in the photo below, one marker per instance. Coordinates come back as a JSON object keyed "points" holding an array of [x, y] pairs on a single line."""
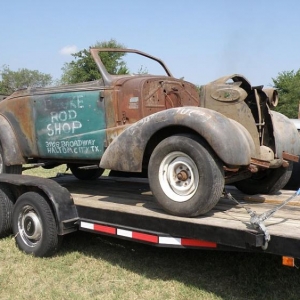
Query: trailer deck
{"points": [[120, 206]]}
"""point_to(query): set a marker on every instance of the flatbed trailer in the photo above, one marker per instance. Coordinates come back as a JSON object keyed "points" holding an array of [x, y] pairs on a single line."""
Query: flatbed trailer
{"points": [[125, 208]]}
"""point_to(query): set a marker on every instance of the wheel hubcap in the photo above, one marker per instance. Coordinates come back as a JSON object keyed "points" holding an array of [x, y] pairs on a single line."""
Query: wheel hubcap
{"points": [[178, 176], [30, 227]]}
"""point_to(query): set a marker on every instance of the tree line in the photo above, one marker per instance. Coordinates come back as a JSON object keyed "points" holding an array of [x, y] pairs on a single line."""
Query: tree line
{"points": [[82, 69]]}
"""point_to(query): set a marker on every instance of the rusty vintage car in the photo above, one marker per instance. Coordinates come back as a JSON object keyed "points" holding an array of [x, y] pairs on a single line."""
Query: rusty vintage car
{"points": [[190, 144]]}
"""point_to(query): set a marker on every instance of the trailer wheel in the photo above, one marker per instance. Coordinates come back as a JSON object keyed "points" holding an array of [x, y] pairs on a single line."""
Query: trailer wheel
{"points": [[34, 225], [6, 209], [185, 178], [266, 182], [16, 169], [85, 174]]}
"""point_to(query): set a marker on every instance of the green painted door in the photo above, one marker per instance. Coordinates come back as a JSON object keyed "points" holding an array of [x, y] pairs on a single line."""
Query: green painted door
{"points": [[70, 125]]}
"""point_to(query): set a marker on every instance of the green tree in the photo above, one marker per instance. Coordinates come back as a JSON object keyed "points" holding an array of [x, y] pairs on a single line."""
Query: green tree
{"points": [[23, 78], [84, 69], [288, 85]]}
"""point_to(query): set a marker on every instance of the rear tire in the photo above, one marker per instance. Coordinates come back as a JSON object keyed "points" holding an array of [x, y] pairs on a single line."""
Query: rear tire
{"points": [[184, 176], [85, 174], [6, 209], [34, 225], [266, 182]]}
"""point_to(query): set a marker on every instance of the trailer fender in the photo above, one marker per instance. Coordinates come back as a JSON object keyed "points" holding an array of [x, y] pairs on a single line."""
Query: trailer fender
{"points": [[60, 199], [11, 151], [229, 139], [285, 134]]}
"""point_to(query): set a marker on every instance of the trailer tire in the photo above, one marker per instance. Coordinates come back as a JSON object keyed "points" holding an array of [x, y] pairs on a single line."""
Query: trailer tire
{"points": [[266, 182], [15, 169], [85, 174], [34, 225], [6, 209], [185, 177]]}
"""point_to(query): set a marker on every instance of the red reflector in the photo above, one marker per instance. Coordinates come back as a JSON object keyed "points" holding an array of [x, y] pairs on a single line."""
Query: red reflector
{"points": [[198, 243], [105, 229], [145, 237]]}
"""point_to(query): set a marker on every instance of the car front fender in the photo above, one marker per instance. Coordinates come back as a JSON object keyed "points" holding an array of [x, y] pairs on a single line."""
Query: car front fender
{"points": [[285, 134], [229, 139]]}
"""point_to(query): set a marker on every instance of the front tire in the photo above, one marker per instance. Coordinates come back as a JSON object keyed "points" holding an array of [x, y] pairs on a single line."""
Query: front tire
{"points": [[266, 182], [34, 225], [294, 181], [186, 179]]}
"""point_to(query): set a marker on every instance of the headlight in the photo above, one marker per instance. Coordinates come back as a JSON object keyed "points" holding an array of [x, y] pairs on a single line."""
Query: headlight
{"points": [[272, 95]]}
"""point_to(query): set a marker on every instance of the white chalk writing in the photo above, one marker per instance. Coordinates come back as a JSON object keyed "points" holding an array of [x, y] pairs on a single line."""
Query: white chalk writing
{"points": [[70, 147], [64, 121]]}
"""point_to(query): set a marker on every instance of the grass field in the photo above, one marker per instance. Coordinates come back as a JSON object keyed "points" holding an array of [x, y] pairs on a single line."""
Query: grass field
{"points": [[91, 266]]}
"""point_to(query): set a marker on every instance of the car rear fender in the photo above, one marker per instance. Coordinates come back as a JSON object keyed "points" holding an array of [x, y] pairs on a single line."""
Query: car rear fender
{"points": [[11, 151], [230, 140]]}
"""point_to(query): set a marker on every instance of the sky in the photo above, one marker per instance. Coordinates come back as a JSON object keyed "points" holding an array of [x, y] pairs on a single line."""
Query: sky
{"points": [[198, 40]]}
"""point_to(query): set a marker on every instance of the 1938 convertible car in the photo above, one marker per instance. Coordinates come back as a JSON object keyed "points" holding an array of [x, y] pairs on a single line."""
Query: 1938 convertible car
{"points": [[189, 143]]}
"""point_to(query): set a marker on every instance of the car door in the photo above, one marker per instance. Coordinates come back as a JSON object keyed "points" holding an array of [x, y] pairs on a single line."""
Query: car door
{"points": [[70, 125]]}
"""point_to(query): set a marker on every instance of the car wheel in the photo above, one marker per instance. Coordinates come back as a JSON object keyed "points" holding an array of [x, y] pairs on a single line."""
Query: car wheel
{"points": [[268, 181], [184, 176], [85, 174], [294, 181], [6, 209], [34, 225]]}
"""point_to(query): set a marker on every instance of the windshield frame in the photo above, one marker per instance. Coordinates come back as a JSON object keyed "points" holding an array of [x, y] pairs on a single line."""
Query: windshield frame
{"points": [[109, 78]]}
